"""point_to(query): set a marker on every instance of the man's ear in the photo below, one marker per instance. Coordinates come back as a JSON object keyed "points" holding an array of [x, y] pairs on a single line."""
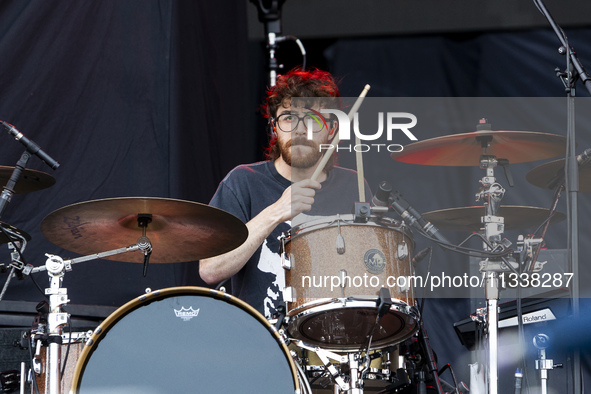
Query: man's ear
{"points": [[334, 128], [272, 129]]}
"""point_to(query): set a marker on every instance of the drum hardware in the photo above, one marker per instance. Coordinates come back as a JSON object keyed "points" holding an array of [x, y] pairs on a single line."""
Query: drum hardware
{"points": [[143, 219], [17, 242], [325, 356], [541, 342], [50, 327]]}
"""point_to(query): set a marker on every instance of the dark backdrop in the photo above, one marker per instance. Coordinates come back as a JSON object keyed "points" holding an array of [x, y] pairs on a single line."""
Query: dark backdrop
{"points": [[159, 98]]}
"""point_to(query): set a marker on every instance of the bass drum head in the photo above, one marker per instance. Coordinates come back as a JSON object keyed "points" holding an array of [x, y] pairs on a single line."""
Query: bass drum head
{"points": [[185, 340]]}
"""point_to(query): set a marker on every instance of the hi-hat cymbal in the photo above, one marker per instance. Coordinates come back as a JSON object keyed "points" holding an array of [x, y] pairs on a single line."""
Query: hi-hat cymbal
{"points": [[547, 176], [466, 149], [30, 180], [468, 218], [179, 231], [4, 239]]}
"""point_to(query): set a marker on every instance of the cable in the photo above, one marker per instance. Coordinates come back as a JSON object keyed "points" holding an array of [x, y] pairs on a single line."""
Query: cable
{"points": [[65, 360]]}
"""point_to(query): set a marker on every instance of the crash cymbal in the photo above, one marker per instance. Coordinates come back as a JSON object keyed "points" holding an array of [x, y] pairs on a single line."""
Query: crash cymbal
{"points": [[30, 180], [468, 218], [466, 149], [4, 239], [547, 176], [179, 230]]}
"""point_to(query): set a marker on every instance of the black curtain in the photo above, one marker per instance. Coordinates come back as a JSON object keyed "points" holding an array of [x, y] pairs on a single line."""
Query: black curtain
{"points": [[133, 98]]}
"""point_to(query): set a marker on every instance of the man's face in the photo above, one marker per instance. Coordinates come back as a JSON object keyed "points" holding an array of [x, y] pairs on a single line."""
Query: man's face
{"points": [[296, 149]]}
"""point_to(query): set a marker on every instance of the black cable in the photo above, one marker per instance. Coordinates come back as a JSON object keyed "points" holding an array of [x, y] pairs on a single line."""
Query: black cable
{"points": [[39, 287], [65, 360]]}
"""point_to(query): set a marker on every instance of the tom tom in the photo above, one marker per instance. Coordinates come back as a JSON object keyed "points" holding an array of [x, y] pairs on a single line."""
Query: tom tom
{"points": [[185, 340], [334, 269]]}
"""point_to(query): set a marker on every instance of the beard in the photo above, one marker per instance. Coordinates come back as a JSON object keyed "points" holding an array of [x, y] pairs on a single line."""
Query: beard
{"points": [[303, 157]]}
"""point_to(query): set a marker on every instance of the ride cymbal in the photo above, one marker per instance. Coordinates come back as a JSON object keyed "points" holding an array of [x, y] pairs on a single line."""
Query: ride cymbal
{"points": [[30, 180], [468, 218], [466, 149], [178, 231]]}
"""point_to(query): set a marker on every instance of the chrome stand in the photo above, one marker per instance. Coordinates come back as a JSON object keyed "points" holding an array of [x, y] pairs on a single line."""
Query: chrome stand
{"points": [[58, 297]]}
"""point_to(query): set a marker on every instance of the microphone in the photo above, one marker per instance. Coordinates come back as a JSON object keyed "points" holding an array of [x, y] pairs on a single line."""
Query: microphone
{"points": [[380, 199], [415, 219], [30, 145], [385, 198]]}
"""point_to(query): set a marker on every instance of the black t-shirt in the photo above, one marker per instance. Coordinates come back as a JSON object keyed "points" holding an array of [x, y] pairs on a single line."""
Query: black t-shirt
{"points": [[245, 192]]}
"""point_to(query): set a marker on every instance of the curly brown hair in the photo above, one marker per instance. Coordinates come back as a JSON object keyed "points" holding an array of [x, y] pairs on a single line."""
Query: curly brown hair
{"points": [[297, 83]]}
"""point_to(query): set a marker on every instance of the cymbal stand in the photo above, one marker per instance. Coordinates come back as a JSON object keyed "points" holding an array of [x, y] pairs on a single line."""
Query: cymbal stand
{"points": [[544, 364], [491, 193], [16, 265], [58, 297], [56, 319]]}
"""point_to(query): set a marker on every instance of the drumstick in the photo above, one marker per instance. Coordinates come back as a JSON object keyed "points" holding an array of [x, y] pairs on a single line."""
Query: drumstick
{"points": [[360, 176], [336, 139]]}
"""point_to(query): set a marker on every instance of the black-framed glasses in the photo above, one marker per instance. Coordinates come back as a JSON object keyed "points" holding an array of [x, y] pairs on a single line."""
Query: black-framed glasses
{"points": [[288, 122]]}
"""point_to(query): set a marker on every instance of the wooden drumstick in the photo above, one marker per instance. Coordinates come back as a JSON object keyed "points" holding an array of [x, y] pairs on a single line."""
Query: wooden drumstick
{"points": [[336, 139], [360, 175]]}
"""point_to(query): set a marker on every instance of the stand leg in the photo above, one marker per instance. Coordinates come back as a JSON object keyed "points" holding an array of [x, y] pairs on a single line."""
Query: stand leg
{"points": [[493, 318], [492, 295]]}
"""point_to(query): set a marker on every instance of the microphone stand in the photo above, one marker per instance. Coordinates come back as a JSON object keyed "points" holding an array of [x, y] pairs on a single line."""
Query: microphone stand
{"points": [[269, 12], [574, 71], [8, 190]]}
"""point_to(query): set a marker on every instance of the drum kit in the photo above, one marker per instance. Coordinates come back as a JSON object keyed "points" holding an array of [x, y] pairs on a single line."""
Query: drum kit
{"points": [[329, 339]]}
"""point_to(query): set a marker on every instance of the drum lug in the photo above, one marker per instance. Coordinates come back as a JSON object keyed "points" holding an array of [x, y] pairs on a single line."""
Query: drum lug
{"points": [[340, 239], [402, 251], [289, 294], [285, 261]]}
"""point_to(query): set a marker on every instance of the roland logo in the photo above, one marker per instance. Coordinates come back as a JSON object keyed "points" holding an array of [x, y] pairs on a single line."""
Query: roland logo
{"points": [[186, 313], [534, 318]]}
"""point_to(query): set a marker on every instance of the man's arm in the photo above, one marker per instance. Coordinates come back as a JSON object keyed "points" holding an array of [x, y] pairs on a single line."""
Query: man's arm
{"points": [[297, 198]]}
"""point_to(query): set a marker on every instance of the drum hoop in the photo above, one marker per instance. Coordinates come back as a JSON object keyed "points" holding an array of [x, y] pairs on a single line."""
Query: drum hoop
{"points": [[348, 220], [103, 328], [398, 306]]}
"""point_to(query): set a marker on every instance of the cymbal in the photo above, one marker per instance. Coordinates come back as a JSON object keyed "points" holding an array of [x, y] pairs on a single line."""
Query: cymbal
{"points": [[465, 149], [548, 175], [30, 180], [468, 218], [179, 231], [4, 239]]}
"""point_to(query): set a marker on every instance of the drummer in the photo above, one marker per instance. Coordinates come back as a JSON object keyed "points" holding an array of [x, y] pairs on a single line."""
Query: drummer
{"points": [[267, 195]]}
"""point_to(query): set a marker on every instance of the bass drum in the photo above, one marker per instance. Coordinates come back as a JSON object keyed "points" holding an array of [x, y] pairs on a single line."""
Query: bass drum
{"points": [[185, 340]]}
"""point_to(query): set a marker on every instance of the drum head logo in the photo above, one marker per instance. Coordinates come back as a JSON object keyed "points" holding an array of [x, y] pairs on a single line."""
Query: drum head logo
{"points": [[186, 314], [375, 261]]}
